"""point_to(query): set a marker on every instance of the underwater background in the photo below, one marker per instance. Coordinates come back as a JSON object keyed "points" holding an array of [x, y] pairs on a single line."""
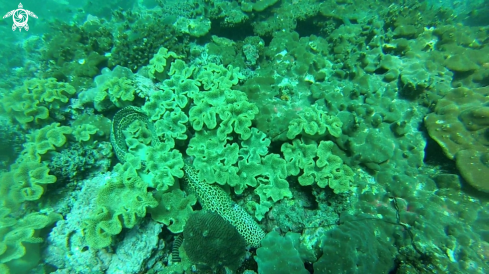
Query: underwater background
{"points": [[244, 136]]}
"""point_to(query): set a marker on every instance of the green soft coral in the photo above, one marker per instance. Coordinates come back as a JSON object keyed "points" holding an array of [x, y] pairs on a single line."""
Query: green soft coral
{"points": [[158, 63], [173, 210], [231, 106], [114, 88], [250, 160], [248, 173], [270, 175], [25, 181], [236, 116], [255, 147], [318, 165], [159, 103], [172, 125], [239, 167], [163, 164], [124, 119], [48, 138], [202, 114], [137, 133], [219, 103], [85, 126], [214, 76], [135, 141], [181, 82], [120, 203], [273, 184], [20, 246], [214, 158], [224, 163], [119, 91], [36, 100], [174, 93], [82, 133], [313, 121], [28, 177]]}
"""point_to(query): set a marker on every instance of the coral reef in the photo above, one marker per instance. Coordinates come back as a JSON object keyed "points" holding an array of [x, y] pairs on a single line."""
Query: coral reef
{"points": [[291, 136]]}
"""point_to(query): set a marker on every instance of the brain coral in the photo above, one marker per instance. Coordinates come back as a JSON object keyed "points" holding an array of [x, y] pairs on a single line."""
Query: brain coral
{"points": [[220, 241]]}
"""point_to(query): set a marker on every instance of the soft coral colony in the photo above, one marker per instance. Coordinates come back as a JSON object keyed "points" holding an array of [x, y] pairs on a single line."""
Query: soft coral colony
{"points": [[311, 136]]}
